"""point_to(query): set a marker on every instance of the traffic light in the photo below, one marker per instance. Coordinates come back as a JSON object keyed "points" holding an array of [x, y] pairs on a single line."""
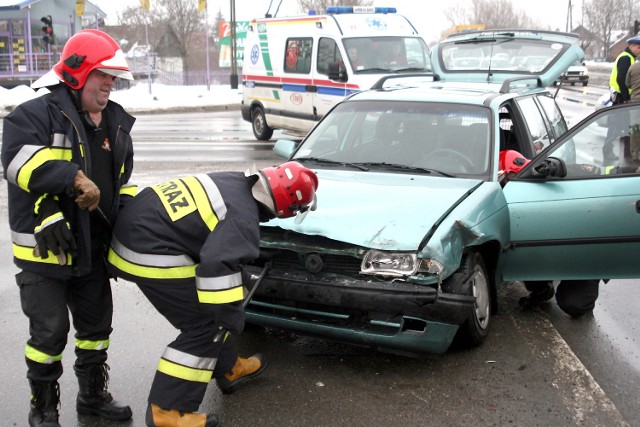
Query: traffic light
{"points": [[47, 29], [636, 27]]}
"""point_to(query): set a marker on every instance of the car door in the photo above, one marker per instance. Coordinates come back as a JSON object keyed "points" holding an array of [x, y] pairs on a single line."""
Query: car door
{"points": [[586, 224]]}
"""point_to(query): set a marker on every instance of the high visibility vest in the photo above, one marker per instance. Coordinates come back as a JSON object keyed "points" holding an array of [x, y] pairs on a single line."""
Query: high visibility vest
{"points": [[613, 80]]}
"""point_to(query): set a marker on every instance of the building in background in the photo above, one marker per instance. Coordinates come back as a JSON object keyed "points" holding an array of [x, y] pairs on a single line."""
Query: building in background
{"points": [[33, 32]]}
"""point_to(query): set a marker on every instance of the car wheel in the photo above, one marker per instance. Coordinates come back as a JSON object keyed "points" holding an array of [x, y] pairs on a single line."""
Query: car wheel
{"points": [[472, 279], [585, 83], [261, 130]]}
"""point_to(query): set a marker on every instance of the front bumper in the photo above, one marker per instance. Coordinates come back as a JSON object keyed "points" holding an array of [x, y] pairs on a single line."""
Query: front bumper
{"points": [[384, 315]]}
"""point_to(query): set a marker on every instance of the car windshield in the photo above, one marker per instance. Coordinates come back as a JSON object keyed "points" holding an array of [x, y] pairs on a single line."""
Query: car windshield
{"points": [[376, 54], [485, 54], [415, 137]]}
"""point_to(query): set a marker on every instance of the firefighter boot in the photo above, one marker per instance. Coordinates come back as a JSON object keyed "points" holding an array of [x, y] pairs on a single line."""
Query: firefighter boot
{"points": [[158, 417], [539, 293], [45, 398], [93, 397], [243, 370]]}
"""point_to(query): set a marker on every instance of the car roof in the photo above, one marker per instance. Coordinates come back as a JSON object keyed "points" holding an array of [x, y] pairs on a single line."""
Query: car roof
{"points": [[402, 88]]}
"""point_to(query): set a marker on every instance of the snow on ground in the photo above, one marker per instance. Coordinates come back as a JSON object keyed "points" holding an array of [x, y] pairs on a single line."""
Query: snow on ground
{"points": [[138, 99]]}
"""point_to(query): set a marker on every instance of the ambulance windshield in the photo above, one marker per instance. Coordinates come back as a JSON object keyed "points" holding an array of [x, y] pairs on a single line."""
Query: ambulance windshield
{"points": [[384, 54]]}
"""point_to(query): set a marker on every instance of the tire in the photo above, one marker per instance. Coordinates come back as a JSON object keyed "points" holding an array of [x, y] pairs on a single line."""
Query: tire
{"points": [[261, 130], [585, 83], [472, 279]]}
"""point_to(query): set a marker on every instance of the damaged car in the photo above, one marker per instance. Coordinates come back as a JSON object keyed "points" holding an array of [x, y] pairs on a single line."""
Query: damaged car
{"points": [[416, 225]]}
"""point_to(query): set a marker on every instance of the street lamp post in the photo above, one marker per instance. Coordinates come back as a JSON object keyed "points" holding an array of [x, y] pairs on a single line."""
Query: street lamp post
{"points": [[234, 63]]}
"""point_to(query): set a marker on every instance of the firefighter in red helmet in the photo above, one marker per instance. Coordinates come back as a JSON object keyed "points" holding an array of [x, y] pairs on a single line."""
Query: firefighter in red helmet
{"points": [[68, 157], [184, 243]]}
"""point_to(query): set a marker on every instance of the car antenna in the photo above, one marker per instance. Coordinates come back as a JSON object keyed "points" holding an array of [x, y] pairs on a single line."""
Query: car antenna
{"points": [[489, 74]]}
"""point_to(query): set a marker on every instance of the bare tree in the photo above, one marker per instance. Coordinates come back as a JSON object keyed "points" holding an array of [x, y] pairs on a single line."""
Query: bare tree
{"points": [[320, 6], [183, 19], [603, 17], [490, 13], [134, 19]]}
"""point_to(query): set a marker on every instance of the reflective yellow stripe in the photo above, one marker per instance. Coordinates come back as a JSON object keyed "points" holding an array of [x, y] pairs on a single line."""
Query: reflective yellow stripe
{"points": [[176, 198], [184, 372], [62, 153], [131, 190], [221, 297], [26, 254], [40, 357], [181, 272], [92, 345], [41, 157], [49, 220], [202, 202]]}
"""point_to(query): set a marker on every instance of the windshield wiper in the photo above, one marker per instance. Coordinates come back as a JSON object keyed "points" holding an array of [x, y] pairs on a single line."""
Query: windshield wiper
{"points": [[330, 162], [376, 70], [402, 70], [407, 167]]}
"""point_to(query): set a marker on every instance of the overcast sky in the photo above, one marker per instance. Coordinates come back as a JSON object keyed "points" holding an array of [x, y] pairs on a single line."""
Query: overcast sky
{"points": [[427, 16]]}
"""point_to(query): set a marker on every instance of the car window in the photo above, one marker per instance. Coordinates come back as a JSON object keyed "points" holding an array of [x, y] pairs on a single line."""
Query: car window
{"points": [[452, 138], [554, 115], [594, 150], [297, 58], [327, 52], [536, 126]]}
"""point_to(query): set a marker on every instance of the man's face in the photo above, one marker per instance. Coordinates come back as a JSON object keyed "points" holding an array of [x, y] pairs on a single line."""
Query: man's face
{"points": [[96, 91], [635, 48]]}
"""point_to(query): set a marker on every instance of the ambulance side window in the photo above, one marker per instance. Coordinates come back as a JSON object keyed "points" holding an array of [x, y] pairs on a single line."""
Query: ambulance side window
{"points": [[327, 52], [297, 57]]}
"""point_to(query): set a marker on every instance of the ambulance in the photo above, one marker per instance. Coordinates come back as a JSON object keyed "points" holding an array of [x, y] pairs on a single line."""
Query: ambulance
{"points": [[295, 69]]}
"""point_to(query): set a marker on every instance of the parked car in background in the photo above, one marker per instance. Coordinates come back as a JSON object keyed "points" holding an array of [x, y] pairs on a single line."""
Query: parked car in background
{"points": [[416, 226], [576, 73]]}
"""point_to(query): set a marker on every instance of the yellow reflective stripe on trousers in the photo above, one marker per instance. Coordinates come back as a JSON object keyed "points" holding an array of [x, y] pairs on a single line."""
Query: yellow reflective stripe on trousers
{"points": [[185, 366], [40, 357], [92, 345], [221, 297]]}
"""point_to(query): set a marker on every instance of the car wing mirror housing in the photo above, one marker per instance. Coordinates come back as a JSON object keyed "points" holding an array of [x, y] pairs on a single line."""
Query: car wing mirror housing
{"points": [[335, 73], [550, 167]]}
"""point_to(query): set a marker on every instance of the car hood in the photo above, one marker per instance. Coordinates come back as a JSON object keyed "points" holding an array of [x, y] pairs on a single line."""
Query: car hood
{"points": [[379, 210]]}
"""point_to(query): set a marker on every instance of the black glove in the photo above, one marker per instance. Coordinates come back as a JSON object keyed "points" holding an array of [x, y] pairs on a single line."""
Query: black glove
{"points": [[52, 231], [230, 317]]}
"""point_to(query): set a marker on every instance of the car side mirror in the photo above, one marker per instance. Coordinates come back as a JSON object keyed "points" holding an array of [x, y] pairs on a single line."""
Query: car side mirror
{"points": [[284, 148], [334, 72], [550, 167]]}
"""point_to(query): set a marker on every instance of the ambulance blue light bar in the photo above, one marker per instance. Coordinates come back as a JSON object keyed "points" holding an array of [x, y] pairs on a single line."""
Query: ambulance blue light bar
{"points": [[360, 9]]}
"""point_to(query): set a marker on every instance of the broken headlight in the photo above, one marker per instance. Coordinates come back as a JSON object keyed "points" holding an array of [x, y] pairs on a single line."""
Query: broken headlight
{"points": [[389, 263]]}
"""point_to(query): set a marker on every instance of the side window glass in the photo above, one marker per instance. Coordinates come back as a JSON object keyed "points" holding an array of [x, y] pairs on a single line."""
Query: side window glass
{"points": [[327, 52], [538, 132], [607, 146], [552, 111], [297, 58]]}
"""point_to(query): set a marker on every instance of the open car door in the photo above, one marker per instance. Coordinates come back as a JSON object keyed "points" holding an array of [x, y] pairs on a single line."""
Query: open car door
{"points": [[575, 209]]}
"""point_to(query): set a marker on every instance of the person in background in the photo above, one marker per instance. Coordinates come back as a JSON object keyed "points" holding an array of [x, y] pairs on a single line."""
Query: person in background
{"points": [[184, 243], [68, 157], [620, 94], [632, 79]]}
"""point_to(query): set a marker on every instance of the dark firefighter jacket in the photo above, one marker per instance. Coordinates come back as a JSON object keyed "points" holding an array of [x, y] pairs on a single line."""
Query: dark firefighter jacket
{"points": [[44, 144], [196, 231]]}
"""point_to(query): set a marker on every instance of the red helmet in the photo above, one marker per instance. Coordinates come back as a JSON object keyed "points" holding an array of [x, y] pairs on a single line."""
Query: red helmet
{"points": [[84, 52], [286, 189], [511, 162]]}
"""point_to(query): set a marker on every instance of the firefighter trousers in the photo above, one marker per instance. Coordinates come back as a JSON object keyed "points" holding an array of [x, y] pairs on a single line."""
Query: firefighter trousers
{"points": [[193, 359], [47, 303]]}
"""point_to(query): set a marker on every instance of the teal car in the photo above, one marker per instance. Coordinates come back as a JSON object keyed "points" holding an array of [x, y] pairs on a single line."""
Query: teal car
{"points": [[416, 225]]}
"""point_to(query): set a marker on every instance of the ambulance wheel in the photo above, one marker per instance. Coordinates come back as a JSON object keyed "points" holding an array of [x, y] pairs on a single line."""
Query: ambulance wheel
{"points": [[261, 131]]}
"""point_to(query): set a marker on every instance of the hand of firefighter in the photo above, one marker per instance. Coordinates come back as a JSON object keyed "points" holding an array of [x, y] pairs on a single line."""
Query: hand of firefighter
{"points": [[88, 194], [231, 317], [52, 232]]}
